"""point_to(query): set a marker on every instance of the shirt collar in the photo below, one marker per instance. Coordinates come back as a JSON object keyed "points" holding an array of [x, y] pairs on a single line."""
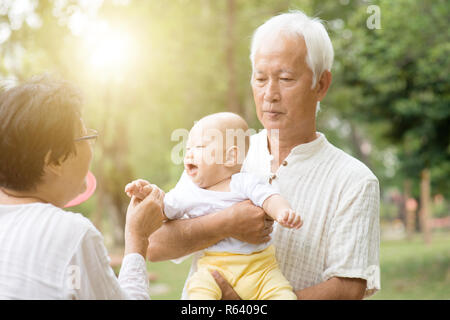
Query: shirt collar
{"points": [[304, 150]]}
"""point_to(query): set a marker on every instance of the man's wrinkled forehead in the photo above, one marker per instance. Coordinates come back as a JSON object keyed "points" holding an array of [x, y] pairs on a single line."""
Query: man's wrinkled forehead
{"points": [[289, 45]]}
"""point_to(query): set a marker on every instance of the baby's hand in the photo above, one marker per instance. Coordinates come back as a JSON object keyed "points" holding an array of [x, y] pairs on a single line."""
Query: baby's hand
{"points": [[139, 188], [289, 219]]}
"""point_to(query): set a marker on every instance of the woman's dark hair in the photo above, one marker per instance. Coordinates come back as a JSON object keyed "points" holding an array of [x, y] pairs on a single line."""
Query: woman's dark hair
{"points": [[37, 118]]}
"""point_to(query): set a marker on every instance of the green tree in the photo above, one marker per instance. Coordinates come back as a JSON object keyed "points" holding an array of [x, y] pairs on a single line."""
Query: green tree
{"points": [[401, 72]]}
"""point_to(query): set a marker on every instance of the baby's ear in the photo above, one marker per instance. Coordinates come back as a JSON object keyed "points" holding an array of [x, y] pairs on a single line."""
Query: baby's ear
{"points": [[231, 157]]}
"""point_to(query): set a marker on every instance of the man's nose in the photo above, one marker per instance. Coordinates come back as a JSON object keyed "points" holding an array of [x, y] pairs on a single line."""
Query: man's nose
{"points": [[272, 92]]}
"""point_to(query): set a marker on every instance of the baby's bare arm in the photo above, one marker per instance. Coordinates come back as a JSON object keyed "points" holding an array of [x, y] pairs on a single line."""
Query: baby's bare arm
{"points": [[280, 210], [274, 205]]}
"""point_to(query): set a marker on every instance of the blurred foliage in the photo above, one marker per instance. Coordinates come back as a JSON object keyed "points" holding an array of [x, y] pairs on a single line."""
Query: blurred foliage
{"points": [[388, 104], [401, 75]]}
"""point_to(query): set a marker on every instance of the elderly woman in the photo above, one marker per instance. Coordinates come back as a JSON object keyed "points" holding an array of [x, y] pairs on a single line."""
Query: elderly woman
{"points": [[46, 252]]}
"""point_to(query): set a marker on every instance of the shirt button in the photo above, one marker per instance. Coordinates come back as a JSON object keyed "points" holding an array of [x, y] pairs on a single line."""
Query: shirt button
{"points": [[272, 178], [284, 163]]}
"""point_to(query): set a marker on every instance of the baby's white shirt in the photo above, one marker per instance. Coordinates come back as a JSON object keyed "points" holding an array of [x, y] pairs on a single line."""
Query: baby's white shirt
{"points": [[187, 200]]}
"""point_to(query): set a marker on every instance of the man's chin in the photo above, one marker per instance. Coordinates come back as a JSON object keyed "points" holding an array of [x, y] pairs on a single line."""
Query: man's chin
{"points": [[273, 118], [272, 124]]}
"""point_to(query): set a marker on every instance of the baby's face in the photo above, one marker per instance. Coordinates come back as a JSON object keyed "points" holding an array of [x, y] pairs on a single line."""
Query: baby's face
{"points": [[204, 156]]}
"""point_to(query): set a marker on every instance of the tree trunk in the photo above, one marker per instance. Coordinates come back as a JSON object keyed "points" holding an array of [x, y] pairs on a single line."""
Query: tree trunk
{"points": [[232, 96], [410, 206], [358, 143], [425, 204]]}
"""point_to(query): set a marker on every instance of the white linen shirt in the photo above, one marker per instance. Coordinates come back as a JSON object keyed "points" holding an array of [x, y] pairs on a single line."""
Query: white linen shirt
{"points": [[187, 200], [338, 199], [48, 253]]}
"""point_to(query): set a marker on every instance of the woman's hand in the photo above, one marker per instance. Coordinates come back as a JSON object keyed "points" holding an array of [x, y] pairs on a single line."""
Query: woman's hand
{"points": [[144, 216]]}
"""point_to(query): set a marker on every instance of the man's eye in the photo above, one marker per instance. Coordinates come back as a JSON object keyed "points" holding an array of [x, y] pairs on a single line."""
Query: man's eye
{"points": [[260, 81], [286, 79]]}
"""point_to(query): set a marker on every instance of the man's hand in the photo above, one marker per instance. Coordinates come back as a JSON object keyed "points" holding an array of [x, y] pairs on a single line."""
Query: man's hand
{"points": [[228, 292], [249, 223]]}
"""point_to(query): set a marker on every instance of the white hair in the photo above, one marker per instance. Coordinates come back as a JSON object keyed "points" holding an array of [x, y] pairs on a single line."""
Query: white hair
{"points": [[295, 23]]}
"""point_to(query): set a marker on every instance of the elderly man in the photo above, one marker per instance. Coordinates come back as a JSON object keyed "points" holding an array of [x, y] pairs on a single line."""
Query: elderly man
{"points": [[335, 255]]}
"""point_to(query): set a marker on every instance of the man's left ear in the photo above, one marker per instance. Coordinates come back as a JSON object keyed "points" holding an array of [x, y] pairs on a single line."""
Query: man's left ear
{"points": [[323, 84], [231, 156]]}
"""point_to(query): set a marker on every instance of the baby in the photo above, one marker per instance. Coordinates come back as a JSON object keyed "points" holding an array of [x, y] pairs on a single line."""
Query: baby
{"points": [[211, 182]]}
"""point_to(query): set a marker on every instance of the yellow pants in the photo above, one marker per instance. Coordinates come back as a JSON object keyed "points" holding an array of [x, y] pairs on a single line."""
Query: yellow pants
{"points": [[253, 276]]}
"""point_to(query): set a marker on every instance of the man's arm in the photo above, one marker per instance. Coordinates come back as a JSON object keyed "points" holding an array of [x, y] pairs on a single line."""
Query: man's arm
{"points": [[332, 289], [177, 238]]}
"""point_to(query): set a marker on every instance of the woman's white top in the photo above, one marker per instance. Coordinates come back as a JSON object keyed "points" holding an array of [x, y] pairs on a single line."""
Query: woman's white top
{"points": [[338, 199], [49, 253], [187, 200]]}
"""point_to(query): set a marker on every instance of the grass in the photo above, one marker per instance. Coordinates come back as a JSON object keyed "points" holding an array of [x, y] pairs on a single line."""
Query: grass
{"points": [[170, 279], [413, 270], [409, 270]]}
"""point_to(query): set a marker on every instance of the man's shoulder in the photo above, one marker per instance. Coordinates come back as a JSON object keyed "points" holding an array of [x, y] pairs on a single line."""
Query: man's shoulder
{"points": [[348, 167]]}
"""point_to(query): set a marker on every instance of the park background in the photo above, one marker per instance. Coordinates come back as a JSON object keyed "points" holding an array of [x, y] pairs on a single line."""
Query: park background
{"points": [[147, 68]]}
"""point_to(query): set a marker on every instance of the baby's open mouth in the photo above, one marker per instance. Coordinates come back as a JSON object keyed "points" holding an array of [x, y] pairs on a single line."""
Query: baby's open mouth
{"points": [[191, 169]]}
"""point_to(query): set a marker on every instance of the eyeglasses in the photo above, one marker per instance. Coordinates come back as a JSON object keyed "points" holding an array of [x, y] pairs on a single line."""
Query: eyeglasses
{"points": [[91, 136]]}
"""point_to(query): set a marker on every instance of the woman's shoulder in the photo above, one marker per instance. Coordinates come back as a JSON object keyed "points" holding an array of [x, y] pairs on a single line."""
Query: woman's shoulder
{"points": [[72, 222], [50, 227], [80, 232]]}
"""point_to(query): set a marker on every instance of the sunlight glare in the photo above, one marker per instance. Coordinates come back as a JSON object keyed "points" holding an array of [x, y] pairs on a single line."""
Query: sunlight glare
{"points": [[108, 50]]}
